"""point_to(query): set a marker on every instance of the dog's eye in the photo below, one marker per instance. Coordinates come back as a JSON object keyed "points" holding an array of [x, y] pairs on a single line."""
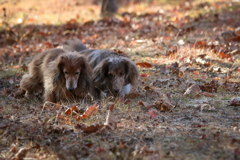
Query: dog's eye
{"points": [[65, 72], [77, 73], [121, 74], [110, 75]]}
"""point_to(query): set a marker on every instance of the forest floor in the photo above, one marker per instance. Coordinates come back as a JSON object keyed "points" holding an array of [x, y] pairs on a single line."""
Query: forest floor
{"points": [[187, 103]]}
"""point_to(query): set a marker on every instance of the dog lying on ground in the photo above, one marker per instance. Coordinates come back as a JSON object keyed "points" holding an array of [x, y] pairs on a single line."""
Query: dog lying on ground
{"points": [[61, 74], [113, 74]]}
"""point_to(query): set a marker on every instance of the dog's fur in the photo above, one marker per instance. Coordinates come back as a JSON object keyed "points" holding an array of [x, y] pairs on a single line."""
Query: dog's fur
{"points": [[61, 74], [113, 74]]}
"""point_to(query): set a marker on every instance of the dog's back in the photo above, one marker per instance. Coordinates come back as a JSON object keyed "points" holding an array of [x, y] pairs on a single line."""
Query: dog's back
{"points": [[74, 45], [93, 56]]}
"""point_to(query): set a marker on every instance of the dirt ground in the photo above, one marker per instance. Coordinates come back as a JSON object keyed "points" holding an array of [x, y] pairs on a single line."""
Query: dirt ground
{"points": [[187, 103]]}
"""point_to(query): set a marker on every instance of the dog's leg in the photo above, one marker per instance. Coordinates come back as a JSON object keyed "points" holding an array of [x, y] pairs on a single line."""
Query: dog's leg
{"points": [[50, 96], [95, 92], [20, 93], [126, 89], [28, 85]]}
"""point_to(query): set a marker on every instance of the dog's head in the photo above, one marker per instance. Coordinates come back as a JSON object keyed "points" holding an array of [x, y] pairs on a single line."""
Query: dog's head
{"points": [[114, 73], [74, 68]]}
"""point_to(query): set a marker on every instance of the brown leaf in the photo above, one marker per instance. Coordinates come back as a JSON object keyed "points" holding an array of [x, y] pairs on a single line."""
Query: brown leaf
{"points": [[207, 94], [195, 73], [144, 64], [74, 108], [235, 101], [210, 87], [143, 150], [163, 104], [144, 75], [152, 113], [57, 106], [193, 90], [133, 93], [222, 55], [145, 104], [111, 121], [90, 110], [68, 111], [21, 154], [89, 129], [200, 44]]}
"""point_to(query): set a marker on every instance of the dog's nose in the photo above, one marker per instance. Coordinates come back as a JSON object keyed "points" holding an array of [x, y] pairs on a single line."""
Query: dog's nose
{"points": [[116, 91], [70, 88]]}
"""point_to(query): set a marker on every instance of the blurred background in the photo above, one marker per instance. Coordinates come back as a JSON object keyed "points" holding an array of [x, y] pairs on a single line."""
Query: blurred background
{"points": [[59, 11]]}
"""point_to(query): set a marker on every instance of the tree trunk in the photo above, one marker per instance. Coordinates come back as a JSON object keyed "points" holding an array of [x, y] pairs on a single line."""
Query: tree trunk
{"points": [[109, 7]]}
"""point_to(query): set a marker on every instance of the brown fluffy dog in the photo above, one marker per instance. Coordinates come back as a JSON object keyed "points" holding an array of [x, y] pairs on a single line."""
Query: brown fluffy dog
{"points": [[113, 73], [59, 73]]}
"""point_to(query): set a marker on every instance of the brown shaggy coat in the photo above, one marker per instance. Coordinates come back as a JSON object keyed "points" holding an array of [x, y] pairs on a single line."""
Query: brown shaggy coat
{"points": [[113, 73], [59, 73]]}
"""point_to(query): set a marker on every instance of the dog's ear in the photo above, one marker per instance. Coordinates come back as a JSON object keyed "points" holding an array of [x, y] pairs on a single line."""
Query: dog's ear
{"points": [[131, 72], [59, 76], [86, 70], [101, 71], [60, 62]]}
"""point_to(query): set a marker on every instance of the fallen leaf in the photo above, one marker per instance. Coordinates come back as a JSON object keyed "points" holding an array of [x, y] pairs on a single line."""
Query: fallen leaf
{"points": [[235, 101], [90, 110], [68, 111], [16, 67], [216, 78], [222, 55], [163, 103], [200, 44], [197, 125], [235, 141], [152, 113], [193, 90], [126, 101], [13, 149], [89, 129], [207, 94], [10, 80], [144, 75], [143, 150], [210, 87], [111, 121], [195, 73], [133, 93], [74, 108], [99, 149], [57, 106], [144, 64], [21, 154], [145, 104], [206, 107]]}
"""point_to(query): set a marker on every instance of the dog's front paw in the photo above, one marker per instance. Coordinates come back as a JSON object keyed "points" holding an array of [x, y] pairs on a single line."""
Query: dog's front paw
{"points": [[29, 95], [19, 94]]}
